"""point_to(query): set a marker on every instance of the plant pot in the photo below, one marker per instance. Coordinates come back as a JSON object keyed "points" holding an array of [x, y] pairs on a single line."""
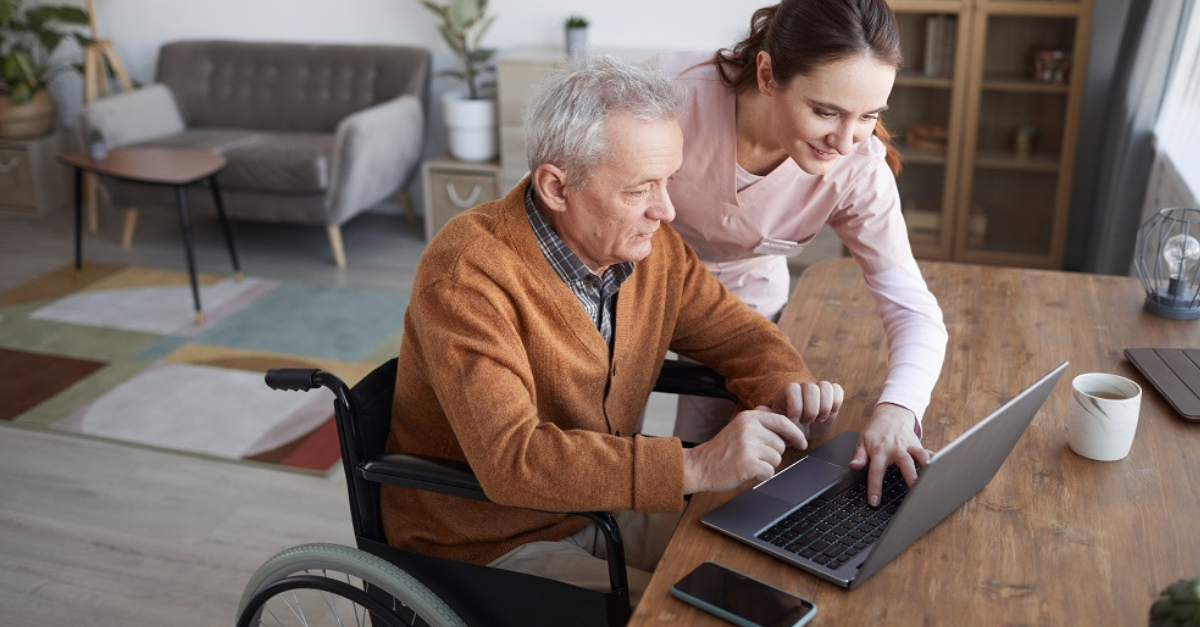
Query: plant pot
{"points": [[472, 127], [97, 150], [576, 41], [29, 119]]}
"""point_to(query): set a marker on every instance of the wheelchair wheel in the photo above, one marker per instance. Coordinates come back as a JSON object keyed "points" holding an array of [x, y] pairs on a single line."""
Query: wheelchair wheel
{"points": [[332, 584]]}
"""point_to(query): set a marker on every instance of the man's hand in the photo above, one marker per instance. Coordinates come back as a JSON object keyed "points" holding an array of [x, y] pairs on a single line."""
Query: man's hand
{"points": [[812, 406], [889, 438], [750, 447]]}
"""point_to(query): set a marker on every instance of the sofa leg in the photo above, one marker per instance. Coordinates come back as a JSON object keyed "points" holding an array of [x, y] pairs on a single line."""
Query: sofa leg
{"points": [[335, 243], [130, 226]]}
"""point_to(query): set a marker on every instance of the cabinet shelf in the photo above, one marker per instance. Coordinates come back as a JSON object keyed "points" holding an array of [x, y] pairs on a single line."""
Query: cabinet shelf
{"points": [[914, 79], [918, 156], [1010, 161], [1023, 85], [1036, 8]]}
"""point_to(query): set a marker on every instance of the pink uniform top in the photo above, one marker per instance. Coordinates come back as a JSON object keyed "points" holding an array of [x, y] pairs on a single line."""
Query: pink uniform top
{"points": [[744, 232]]}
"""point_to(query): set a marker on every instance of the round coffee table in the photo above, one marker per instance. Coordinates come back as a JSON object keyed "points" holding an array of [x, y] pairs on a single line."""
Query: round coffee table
{"points": [[172, 167]]}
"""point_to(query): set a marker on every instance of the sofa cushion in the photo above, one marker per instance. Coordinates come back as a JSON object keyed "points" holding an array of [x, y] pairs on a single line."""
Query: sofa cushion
{"points": [[262, 160]]}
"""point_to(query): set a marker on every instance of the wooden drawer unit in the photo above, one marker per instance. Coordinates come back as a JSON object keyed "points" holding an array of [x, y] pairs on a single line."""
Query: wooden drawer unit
{"points": [[453, 186], [30, 179]]}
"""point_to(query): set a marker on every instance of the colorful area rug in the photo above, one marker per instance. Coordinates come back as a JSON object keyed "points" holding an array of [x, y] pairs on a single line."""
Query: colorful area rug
{"points": [[114, 353]]}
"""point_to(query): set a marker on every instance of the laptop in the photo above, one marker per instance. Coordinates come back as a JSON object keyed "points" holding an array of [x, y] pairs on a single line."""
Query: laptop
{"points": [[813, 514]]}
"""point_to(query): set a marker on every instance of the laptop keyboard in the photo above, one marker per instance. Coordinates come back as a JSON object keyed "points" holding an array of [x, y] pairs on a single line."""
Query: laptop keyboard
{"points": [[832, 528]]}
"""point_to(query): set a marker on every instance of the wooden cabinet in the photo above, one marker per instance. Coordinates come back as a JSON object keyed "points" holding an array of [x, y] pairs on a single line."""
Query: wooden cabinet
{"points": [[453, 186], [31, 180], [986, 113]]}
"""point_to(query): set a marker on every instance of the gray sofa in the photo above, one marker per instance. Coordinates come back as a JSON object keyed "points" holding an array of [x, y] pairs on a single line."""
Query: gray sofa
{"points": [[314, 134]]}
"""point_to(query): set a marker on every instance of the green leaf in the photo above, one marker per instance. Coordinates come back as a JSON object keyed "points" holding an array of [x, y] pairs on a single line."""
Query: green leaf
{"points": [[21, 93], [483, 30]]}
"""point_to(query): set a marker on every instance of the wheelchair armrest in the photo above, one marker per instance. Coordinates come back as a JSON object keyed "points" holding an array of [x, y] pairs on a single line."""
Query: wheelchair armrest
{"points": [[691, 379], [432, 474]]}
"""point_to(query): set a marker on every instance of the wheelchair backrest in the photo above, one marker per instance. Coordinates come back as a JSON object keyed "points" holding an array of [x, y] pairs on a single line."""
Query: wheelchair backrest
{"points": [[371, 416]]}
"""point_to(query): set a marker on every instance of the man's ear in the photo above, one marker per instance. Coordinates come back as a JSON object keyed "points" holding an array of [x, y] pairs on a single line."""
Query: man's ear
{"points": [[550, 183], [766, 78]]}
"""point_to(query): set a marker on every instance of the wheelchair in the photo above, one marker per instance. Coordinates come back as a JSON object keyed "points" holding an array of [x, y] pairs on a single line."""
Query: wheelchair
{"points": [[381, 585]]}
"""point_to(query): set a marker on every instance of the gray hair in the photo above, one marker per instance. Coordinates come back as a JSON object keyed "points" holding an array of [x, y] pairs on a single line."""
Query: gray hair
{"points": [[564, 123]]}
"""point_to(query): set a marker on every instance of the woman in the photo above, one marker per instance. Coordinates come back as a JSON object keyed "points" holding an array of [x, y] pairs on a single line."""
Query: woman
{"points": [[782, 137]]}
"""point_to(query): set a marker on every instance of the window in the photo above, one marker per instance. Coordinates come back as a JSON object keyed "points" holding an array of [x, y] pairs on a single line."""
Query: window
{"points": [[1178, 129]]}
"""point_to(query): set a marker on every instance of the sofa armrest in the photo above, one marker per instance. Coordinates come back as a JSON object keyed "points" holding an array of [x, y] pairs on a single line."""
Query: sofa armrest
{"points": [[134, 116], [376, 152]]}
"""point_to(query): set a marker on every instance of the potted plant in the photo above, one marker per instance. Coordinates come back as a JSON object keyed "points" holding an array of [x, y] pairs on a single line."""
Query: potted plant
{"points": [[29, 37], [576, 27], [470, 115]]}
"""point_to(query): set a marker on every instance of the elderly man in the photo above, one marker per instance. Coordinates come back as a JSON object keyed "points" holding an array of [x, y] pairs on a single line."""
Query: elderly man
{"points": [[536, 329]]}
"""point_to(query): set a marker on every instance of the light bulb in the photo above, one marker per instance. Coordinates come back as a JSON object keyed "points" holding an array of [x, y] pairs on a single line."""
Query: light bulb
{"points": [[1180, 252]]}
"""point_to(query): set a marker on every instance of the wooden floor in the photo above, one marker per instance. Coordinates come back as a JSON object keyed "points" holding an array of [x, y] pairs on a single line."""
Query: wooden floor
{"points": [[94, 533]]}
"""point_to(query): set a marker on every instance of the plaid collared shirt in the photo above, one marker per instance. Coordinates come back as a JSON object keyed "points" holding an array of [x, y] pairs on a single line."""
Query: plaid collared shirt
{"points": [[597, 294]]}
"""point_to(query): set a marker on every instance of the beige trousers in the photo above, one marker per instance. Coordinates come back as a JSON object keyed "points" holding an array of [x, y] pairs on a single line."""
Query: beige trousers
{"points": [[581, 559]]}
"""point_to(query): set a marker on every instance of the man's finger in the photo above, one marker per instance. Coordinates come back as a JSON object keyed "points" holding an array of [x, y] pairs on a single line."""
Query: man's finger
{"points": [[827, 399], [785, 429], [811, 393]]}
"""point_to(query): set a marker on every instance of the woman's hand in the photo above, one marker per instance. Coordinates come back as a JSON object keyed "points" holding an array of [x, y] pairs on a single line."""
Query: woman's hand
{"points": [[889, 438]]}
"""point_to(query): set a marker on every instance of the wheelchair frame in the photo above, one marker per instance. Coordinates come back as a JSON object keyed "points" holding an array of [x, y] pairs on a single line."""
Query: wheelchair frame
{"points": [[403, 587]]}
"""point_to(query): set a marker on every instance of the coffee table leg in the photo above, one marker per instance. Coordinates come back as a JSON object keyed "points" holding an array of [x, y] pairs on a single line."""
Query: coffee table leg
{"points": [[78, 219], [237, 267], [185, 225]]}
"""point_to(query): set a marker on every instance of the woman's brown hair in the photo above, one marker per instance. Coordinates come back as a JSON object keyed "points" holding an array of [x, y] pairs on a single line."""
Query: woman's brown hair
{"points": [[802, 35]]}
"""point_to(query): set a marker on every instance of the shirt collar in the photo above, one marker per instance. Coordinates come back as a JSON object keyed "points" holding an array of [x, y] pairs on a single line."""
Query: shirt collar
{"points": [[566, 263]]}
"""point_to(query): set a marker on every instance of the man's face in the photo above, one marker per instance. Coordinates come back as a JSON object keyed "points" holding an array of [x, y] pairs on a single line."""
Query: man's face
{"points": [[614, 217]]}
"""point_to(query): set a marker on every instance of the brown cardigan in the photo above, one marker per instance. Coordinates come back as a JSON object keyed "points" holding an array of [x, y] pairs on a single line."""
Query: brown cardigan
{"points": [[501, 366]]}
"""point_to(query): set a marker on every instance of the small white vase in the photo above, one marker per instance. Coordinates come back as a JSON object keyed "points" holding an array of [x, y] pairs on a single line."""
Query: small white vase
{"points": [[472, 127], [576, 41], [97, 150]]}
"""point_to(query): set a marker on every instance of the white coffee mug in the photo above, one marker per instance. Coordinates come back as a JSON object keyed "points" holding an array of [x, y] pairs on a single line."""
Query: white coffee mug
{"points": [[1103, 416]]}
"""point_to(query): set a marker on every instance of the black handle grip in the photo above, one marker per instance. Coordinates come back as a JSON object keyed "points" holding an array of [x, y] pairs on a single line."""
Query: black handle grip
{"points": [[298, 379]]}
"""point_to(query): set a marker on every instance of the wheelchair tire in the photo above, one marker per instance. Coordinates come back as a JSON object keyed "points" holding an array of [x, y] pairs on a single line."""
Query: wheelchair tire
{"points": [[295, 569]]}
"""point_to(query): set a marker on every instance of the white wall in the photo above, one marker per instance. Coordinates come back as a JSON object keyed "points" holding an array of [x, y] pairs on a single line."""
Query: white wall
{"points": [[138, 27]]}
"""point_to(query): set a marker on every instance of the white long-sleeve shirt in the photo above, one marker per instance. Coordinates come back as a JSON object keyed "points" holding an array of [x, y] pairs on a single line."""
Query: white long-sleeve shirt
{"points": [[732, 218]]}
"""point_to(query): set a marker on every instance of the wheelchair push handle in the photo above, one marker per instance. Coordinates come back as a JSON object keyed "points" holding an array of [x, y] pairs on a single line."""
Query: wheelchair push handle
{"points": [[293, 379]]}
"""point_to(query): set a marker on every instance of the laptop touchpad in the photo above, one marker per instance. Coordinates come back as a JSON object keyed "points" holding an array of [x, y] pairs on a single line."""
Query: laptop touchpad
{"points": [[801, 480]]}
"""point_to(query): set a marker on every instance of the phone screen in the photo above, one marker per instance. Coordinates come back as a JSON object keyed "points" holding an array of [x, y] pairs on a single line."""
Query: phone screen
{"points": [[751, 600]]}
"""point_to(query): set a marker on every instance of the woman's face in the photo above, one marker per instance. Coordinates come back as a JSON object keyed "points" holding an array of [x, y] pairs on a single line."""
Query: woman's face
{"points": [[818, 118]]}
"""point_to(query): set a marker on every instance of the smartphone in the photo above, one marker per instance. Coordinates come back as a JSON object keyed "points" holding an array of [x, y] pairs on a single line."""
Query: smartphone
{"points": [[741, 599]]}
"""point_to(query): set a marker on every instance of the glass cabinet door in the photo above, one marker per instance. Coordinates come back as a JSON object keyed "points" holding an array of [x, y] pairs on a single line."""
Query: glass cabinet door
{"points": [[923, 118], [1015, 197]]}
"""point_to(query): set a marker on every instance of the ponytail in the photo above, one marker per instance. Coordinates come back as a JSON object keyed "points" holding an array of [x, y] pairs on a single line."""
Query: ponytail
{"points": [[894, 161], [738, 66]]}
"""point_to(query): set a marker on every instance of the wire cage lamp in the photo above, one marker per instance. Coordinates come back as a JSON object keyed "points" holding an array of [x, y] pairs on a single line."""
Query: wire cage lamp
{"points": [[1167, 259]]}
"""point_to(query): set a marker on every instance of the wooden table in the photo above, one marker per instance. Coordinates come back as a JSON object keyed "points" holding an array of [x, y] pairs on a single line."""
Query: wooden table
{"points": [[175, 168], [1055, 539]]}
